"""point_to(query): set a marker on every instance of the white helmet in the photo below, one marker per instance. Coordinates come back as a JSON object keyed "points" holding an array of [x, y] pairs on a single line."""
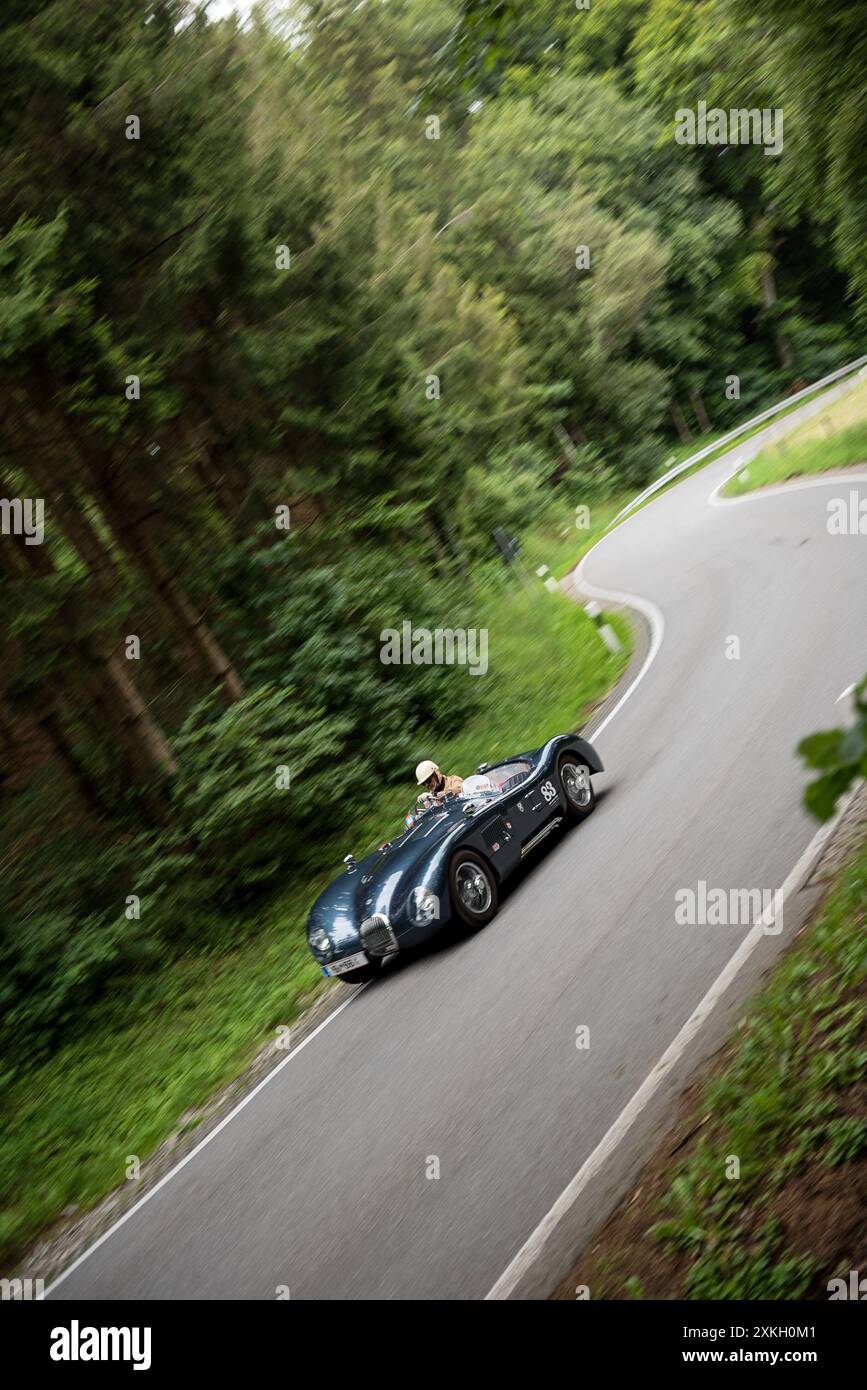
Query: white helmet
{"points": [[476, 785], [425, 771]]}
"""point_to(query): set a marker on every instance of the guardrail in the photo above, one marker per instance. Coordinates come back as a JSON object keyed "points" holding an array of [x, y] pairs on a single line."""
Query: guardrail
{"points": [[735, 433]]}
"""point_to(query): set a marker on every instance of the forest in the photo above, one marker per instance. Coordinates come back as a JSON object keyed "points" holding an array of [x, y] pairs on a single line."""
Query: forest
{"points": [[293, 313]]}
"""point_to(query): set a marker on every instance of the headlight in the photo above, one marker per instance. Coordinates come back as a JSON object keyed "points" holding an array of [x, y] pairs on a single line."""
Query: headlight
{"points": [[320, 942], [423, 907]]}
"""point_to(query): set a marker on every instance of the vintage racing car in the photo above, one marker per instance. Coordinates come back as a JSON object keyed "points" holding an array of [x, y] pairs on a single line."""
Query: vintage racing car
{"points": [[450, 858]]}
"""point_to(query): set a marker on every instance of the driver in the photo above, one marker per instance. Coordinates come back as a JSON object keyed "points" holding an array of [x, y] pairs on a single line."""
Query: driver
{"points": [[427, 774]]}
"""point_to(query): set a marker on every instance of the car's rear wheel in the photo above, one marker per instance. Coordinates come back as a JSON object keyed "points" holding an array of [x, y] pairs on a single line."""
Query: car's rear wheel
{"points": [[577, 787], [362, 974], [473, 888]]}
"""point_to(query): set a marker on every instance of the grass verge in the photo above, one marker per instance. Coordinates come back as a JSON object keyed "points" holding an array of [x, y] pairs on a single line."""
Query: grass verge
{"points": [[556, 541], [836, 438]]}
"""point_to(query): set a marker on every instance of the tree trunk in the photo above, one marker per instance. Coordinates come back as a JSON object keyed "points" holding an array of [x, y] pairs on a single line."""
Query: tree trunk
{"points": [[8, 744], [149, 733], [136, 758], [567, 444], [52, 726], [134, 540], [769, 298], [680, 422], [139, 735], [700, 413], [136, 718], [212, 479], [449, 550]]}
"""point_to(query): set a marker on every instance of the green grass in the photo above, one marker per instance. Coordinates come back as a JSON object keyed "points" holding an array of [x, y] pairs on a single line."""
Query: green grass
{"points": [[556, 541], [785, 1099], [121, 1085], [837, 438]]}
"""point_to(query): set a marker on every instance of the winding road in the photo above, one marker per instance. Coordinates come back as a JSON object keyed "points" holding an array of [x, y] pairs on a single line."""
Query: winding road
{"points": [[468, 1053]]}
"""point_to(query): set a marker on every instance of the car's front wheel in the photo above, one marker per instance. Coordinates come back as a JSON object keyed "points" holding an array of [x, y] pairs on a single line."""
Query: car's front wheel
{"points": [[577, 787], [473, 888]]}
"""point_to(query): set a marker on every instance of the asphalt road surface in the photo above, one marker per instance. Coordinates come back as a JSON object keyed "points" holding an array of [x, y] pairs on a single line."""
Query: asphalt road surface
{"points": [[468, 1054]]}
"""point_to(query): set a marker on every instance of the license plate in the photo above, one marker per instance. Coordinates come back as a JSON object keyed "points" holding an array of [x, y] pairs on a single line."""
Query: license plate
{"points": [[340, 967]]}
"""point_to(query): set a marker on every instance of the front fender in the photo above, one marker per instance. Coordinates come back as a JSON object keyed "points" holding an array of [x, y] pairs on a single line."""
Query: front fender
{"points": [[433, 875], [572, 743]]}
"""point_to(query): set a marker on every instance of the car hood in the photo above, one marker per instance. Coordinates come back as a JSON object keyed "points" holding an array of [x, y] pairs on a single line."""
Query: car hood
{"points": [[382, 882]]}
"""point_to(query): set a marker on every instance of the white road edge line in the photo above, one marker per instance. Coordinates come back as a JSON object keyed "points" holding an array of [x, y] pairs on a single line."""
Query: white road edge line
{"points": [[778, 489], [644, 606], [121, 1221], [533, 1249]]}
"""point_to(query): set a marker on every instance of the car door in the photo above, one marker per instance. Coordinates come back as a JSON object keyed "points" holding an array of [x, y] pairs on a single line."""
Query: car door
{"points": [[498, 840], [529, 811], [531, 802]]}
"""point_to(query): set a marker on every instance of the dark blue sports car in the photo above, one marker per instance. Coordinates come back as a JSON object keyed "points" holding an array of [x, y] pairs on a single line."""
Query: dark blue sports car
{"points": [[450, 859]]}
